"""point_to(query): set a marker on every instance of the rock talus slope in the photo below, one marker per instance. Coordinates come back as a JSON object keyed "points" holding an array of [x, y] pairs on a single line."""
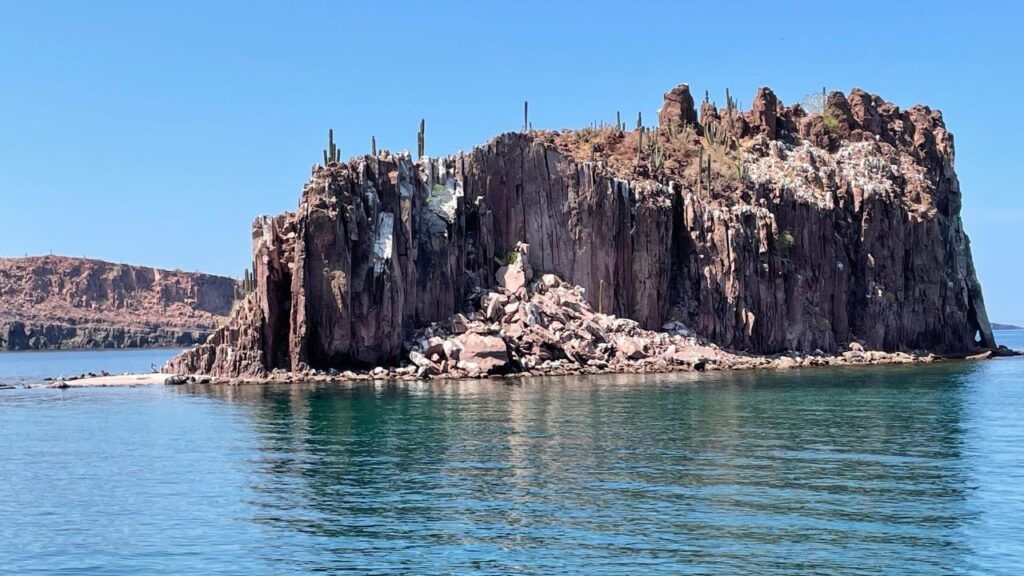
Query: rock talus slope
{"points": [[762, 231]]}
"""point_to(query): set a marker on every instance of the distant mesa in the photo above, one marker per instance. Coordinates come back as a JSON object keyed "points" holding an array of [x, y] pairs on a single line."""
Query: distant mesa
{"points": [[61, 303]]}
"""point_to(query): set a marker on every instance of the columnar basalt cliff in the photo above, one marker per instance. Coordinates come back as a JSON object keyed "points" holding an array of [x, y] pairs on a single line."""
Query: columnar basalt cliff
{"points": [[56, 302], [762, 231]]}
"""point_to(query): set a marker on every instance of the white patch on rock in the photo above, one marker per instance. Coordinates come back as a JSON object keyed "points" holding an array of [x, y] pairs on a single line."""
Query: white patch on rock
{"points": [[405, 188], [383, 243], [442, 198]]}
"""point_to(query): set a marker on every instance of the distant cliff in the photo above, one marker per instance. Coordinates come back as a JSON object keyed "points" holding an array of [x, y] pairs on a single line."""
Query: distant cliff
{"points": [[998, 326], [763, 230], [56, 302]]}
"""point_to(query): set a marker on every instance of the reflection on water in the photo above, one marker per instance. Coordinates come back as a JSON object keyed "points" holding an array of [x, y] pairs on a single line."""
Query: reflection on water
{"points": [[913, 470]]}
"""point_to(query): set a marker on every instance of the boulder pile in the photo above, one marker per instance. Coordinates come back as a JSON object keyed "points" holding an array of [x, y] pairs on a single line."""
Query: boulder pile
{"points": [[546, 326]]}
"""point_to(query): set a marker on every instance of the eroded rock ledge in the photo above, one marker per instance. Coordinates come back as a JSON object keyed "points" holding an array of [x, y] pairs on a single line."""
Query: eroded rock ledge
{"points": [[760, 231]]}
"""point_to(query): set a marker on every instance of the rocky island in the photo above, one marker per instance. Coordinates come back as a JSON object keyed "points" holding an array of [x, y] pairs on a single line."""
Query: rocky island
{"points": [[768, 237], [57, 302]]}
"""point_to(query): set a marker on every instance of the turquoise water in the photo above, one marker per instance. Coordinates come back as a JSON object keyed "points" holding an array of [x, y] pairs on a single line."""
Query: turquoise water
{"points": [[896, 470]]}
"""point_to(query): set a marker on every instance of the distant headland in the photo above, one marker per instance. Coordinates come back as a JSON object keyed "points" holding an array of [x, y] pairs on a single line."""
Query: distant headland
{"points": [[59, 302]]}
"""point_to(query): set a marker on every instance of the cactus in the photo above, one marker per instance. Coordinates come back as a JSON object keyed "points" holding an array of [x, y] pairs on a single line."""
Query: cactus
{"points": [[639, 120], [700, 169], [618, 120], [373, 146], [730, 109], [639, 143], [715, 134], [709, 175], [687, 133], [332, 153], [657, 157], [526, 116], [420, 139], [703, 173], [741, 170]]}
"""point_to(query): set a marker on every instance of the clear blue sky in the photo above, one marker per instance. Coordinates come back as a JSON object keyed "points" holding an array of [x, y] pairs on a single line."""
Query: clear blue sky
{"points": [[153, 132]]}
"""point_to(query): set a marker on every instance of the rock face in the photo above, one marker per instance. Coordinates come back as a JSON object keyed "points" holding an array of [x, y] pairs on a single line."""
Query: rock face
{"points": [[765, 114], [677, 108], [806, 232], [55, 302]]}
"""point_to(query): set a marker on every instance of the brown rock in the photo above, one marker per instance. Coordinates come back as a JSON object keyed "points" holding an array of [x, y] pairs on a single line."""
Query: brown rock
{"points": [[631, 348], [708, 113], [511, 278], [460, 324], [837, 106], [865, 111], [763, 115], [484, 354], [677, 108]]}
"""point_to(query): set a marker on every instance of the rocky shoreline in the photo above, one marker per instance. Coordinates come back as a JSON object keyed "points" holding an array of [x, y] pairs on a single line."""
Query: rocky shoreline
{"points": [[541, 326], [852, 358], [410, 373]]}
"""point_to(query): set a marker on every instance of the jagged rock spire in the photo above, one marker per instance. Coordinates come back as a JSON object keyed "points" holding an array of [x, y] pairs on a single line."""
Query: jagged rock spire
{"points": [[677, 108]]}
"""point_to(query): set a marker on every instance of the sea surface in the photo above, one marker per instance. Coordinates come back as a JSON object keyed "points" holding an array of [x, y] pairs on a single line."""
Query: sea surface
{"points": [[876, 470], [31, 368]]}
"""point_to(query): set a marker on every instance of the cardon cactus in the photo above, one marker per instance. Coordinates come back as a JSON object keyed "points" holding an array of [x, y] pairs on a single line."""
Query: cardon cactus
{"points": [[420, 139]]}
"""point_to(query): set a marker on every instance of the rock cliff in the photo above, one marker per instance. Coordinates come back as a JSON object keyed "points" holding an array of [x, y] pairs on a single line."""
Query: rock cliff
{"points": [[56, 302], [762, 231]]}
